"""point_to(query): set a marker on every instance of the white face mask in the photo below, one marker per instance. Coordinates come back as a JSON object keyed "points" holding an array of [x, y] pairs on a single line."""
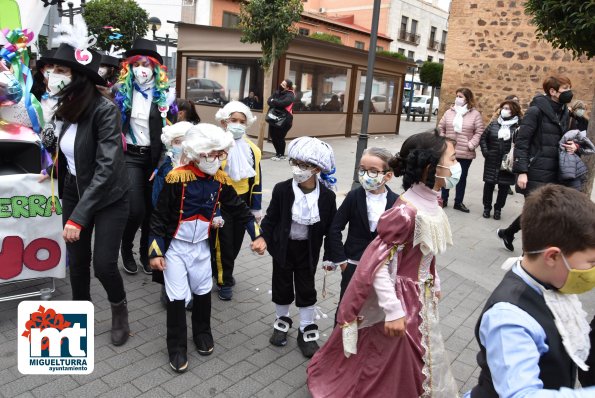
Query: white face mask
{"points": [[505, 113], [460, 101], [209, 168], [369, 183], [579, 112], [300, 175], [57, 82], [451, 181], [47, 72], [142, 74], [236, 129], [102, 71]]}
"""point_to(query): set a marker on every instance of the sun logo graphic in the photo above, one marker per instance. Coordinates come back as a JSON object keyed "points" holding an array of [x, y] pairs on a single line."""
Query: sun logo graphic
{"points": [[56, 337]]}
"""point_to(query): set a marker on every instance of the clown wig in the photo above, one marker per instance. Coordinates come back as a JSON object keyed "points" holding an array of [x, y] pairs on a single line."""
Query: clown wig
{"points": [[126, 83]]}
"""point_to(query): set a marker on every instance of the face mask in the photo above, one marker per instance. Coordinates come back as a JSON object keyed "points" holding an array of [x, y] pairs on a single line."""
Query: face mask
{"points": [[300, 175], [565, 97], [459, 101], [505, 113], [579, 112], [142, 74], [209, 168], [578, 280], [57, 82], [453, 179], [102, 71], [176, 151], [369, 183], [47, 72], [236, 129]]}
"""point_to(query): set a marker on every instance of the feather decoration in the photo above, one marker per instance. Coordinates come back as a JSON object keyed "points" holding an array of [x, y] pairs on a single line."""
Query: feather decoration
{"points": [[76, 35], [116, 53]]}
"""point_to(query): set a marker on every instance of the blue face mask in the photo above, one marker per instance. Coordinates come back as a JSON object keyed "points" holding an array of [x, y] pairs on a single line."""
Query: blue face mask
{"points": [[236, 129], [176, 151]]}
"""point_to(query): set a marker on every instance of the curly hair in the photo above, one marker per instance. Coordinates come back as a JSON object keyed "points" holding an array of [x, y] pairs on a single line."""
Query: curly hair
{"points": [[124, 95], [418, 158]]}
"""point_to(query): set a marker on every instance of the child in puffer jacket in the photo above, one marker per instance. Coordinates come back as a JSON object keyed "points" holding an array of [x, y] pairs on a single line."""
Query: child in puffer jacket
{"points": [[573, 171]]}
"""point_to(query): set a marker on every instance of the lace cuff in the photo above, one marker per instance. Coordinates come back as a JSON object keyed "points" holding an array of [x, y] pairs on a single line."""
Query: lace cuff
{"points": [[349, 332]]}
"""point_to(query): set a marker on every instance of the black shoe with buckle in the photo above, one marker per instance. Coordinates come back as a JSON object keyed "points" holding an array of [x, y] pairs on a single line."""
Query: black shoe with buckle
{"points": [[130, 265], [461, 207], [506, 240], [307, 340], [280, 329]]}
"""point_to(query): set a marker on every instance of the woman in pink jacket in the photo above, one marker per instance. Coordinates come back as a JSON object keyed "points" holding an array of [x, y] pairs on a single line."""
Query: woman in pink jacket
{"points": [[462, 123]]}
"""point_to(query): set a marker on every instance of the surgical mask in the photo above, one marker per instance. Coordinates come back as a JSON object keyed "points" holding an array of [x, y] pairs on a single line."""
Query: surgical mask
{"points": [[579, 112], [300, 175], [102, 71], [176, 151], [47, 72], [460, 101], [369, 183], [142, 74], [209, 168], [451, 181], [578, 280], [565, 97], [505, 113], [57, 82], [237, 130]]}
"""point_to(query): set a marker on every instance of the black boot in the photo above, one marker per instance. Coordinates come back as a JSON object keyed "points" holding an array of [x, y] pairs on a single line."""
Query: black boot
{"points": [[280, 329], [120, 327], [497, 214], [307, 340], [486, 212], [177, 348], [201, 324], [130, 265]]}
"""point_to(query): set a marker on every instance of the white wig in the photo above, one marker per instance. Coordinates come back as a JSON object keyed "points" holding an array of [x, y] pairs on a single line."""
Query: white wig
{"points": [[204, 138], [170, 133], [235, 106]]}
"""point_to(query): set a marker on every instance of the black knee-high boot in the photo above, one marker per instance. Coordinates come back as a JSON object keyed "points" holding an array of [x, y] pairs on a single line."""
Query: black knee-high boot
{"points": [[177, 335], [201, 324]]}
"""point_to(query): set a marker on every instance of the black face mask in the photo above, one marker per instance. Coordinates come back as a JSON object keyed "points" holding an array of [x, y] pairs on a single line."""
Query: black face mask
{"points": [[565, 97]]}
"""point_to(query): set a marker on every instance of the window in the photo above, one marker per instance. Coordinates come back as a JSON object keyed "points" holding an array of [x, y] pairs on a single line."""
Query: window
{"points": [[443, 43], [413, 26], [411, 55], [379, 48], [360, 44], [401, 51], [383, 94], [404, 22], [430, 58], [304, 32], [318, 88], [230, 20], [216, 81], [433, 34], [440, 60]]}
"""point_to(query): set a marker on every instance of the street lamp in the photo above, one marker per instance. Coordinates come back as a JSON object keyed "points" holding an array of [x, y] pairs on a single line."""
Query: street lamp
{"points": [[155, 25], [419, 63], [71, 12]]}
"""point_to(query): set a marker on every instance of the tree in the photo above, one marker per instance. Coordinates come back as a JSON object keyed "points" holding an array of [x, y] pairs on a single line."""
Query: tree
{"points": [[326, 37], [430, 73], [125, 15], [568, 25], [392, 54], [270, 23]]}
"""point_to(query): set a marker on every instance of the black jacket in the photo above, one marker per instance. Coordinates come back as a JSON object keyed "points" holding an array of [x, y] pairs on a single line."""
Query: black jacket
{"points": [[155, 129], [493, 150], [276, 225], [354, 210], [578, 123], [281, 100], [536, 144], [101, 176]]}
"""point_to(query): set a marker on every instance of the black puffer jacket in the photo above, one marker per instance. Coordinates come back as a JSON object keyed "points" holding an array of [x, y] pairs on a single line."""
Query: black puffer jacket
{"points": [[536, 144], [493, 150]]}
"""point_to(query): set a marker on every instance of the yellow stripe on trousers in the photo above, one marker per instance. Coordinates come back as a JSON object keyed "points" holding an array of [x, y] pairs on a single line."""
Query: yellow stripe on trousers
{"points": [[218, 259]]}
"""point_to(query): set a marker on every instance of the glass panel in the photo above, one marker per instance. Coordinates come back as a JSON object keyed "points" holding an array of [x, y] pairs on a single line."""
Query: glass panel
{"points": [[318, 88], [217, 81], [383, 94]]}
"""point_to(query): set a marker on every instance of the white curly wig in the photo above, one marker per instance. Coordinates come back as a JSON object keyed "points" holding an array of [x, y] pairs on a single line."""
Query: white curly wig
{"points": [[235, 106], [204, 138], [170, 133]]}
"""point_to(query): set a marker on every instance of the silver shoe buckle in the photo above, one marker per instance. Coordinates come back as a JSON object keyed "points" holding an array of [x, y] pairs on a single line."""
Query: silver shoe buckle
{"points": [[311, 335], [281, 325]]}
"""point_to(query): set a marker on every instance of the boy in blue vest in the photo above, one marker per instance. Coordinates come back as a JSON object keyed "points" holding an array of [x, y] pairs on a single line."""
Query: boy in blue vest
{"points": [[533, 332]]}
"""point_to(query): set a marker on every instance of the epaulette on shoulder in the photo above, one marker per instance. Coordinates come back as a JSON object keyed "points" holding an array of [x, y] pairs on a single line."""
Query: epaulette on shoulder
{"points": [[222, 177], [180, 174]]}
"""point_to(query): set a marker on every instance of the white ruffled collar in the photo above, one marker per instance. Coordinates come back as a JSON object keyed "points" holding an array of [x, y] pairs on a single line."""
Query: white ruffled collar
{"points": [[240, 164], [305, 206]]}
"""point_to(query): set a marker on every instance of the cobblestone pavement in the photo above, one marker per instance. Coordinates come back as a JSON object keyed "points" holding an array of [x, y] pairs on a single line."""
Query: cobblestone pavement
{"points": [[244, 364]]}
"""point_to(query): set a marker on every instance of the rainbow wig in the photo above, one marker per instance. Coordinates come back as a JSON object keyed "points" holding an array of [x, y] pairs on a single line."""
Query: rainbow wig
{"points": [[126, 87]]}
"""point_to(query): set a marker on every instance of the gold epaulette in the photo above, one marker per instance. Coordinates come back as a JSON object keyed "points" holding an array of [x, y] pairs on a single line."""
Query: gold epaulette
{"points": [[222, 177], [180, 175]]}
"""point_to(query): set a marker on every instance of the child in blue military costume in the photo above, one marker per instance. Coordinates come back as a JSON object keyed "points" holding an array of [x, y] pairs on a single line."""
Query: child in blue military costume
{"points": [[179, 236]]}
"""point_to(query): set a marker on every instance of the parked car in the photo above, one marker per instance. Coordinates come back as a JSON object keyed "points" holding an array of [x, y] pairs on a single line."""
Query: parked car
{"points": [[205, 91], [421, 104]]}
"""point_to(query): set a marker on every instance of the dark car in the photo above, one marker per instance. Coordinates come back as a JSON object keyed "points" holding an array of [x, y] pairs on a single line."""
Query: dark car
{"points": [[205, 91]]}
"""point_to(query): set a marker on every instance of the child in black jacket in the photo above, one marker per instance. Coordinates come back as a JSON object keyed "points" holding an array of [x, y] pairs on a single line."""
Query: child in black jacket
{"points": [[297, 221]]}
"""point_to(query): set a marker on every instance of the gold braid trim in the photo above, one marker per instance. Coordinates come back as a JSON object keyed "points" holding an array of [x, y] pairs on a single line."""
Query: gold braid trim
{"points": [[180, 175], [222, 177]]}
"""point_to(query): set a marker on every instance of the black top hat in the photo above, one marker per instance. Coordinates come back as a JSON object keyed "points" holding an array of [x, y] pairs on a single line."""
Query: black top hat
{"points": [[43, 60], [83, 61], [110, 61], [144, 47]]}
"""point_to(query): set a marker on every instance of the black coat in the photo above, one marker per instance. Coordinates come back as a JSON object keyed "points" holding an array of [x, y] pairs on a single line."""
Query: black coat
{"points": [[493, 150], [101, 176], [276, 225], [354, 210], [536, 143], [281, 100], [155, 129]]}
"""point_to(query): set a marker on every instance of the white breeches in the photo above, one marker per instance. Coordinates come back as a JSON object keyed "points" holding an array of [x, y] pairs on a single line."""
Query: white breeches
{"points": [[187, 269]]}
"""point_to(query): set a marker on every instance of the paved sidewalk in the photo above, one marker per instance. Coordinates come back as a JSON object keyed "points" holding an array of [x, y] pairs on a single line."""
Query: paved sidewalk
{"points": [[244, 364]]}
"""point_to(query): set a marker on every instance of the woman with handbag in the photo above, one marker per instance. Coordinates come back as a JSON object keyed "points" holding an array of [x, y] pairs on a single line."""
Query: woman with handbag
{"points": [[281, 103], [495, 144]]}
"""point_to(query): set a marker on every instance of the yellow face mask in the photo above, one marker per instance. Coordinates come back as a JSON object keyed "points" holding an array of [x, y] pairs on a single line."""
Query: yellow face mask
{"points": [[578, 281]]}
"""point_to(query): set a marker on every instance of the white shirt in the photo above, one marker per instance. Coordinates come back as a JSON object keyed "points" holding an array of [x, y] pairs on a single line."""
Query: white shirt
{"points": [[298, 231], [139, 117], [376, 204], [67, 147]]}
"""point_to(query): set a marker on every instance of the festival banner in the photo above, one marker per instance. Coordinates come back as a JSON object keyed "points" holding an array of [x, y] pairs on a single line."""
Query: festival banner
{"points": [[31, 243]]}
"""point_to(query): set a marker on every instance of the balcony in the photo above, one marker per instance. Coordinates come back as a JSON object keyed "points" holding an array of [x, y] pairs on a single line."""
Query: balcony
{"points": [[433, 45], [408, 37], [442, 47]]}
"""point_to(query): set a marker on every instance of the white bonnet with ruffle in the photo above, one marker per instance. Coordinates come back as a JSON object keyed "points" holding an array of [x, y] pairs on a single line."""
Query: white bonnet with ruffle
{"points": [[232, 107]]}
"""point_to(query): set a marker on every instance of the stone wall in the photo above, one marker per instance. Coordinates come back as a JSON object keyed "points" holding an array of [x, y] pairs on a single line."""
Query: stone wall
{"points": [[493, 50]]}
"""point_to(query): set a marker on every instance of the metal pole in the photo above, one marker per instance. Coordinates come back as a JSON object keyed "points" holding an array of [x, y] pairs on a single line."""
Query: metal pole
{"points": [[71, 12], [362, 141], [166, 50], [411, 92]]}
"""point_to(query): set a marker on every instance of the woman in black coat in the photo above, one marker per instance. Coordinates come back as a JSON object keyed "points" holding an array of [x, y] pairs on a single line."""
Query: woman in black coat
{"points": [[281, 99], [495, 143]]}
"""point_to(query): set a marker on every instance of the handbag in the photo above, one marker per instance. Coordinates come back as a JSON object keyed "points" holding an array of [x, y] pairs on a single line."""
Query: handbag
{"points": [[508, 160], [276, 117]]}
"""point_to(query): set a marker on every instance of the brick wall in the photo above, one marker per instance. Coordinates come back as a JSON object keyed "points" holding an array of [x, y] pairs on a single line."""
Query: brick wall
{"points": [[492, 49]]}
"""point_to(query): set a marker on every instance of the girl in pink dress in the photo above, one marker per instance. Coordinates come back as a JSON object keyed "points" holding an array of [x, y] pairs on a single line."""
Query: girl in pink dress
{"points": [[389, 342]]}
